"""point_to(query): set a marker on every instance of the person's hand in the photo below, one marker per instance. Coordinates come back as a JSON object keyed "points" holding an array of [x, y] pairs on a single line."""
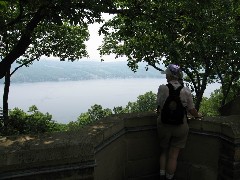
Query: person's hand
{"points": [[199, 115], [157, 111]]}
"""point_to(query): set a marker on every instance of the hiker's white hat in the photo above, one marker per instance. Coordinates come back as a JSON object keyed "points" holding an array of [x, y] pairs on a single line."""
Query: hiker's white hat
{"points": [[173, 70]]}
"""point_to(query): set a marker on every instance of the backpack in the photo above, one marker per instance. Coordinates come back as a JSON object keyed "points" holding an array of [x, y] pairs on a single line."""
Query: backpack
{"points": [[173, 111]]}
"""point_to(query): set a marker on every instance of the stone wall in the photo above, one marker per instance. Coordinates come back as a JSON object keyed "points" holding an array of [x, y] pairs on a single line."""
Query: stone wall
{"points": [[212, 150], [231, 108], [123, 147], [131, 151]]}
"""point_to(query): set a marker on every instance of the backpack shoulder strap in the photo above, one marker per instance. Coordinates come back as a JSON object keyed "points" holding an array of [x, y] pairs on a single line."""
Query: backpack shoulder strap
{"points": [[170, 87], [173, 91], [178, 90]]}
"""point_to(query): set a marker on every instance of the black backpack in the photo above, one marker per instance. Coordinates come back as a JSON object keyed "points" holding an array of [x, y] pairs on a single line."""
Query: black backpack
{"points": [[173, 111]]}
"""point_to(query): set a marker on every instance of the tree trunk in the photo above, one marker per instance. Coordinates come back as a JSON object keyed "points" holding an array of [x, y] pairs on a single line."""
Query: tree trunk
{"points": [[226, 87], [199, 94], [198, 101], [5, 98], [23, 43]]}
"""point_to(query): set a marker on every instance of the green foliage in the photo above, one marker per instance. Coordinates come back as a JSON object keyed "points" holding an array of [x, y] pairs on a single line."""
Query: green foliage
{"points": [[119, 110], [36, 122], [200, 36], [31, 29], [97, 112], [3, 5], [144, 103], [230, 89], [94, 114], [210, 106], [33, 122], [73, 125]]}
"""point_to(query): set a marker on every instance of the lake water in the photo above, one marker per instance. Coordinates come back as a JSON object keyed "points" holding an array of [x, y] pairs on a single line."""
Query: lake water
{"points": [[67, 100]]}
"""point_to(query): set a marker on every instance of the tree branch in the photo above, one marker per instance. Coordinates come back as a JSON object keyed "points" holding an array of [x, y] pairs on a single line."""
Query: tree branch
{"points": [[154, 66], [23, 43], [24, 64]]}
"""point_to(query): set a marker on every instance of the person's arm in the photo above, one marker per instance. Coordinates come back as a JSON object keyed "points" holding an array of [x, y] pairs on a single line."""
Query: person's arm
{"points": [[194, 113], [191, 108], [161, 97]]}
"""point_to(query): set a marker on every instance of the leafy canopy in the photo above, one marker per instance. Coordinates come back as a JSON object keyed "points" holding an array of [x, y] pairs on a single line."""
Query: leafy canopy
{"points": [[31, 122], [201, 36], [144, 103], [30, 29]]}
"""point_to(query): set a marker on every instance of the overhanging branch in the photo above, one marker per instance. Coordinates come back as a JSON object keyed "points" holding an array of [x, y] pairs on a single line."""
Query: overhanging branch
{"points": [[23, 43]]}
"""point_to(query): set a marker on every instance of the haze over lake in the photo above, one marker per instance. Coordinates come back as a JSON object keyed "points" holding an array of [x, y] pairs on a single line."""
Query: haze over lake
{"points": [[68, 99]]}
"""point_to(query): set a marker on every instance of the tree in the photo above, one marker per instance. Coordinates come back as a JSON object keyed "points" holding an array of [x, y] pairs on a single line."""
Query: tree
{"points": [[144, 103], [6, 90], [31, 29], [210, 106], [31, 122], [193, 34], [92, 115]]}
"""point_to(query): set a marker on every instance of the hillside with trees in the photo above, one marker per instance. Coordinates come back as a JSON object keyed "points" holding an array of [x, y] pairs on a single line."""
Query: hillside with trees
{"points": [[49, 70]]}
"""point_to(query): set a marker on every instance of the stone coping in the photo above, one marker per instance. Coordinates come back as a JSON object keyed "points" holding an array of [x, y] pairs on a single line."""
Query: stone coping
{"points": [[80, 146], [227, 126], [61, 148]]}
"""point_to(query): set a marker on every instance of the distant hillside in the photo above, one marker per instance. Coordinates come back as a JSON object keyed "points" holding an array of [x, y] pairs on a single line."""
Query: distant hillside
{"points": [[46, 70]]}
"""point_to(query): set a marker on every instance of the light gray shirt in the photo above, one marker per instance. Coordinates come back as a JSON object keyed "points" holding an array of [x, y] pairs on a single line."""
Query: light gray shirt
{"points": [[185, 95]]}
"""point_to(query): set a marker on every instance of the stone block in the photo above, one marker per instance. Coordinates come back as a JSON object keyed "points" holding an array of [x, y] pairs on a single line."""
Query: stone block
{"points": [[195, 172], [227, 131], [231, 108], [142, 144], [199, 172], [237, 154], [201, 149], [183, 169], [212, 127], [136, 120], [101, 131], [111, 161], [142, 167], [195, 124]]}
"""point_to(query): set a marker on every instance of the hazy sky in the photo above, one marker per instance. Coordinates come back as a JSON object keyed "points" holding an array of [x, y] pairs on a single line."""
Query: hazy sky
{"points": [[95, 41]]}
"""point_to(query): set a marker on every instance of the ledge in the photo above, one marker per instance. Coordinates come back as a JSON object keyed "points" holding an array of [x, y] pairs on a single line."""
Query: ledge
{"points": [[227, 127], [49, 152], [77, 149]]}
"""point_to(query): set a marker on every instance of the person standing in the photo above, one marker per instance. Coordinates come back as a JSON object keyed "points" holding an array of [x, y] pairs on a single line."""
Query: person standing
{"points": [[173, 136]]}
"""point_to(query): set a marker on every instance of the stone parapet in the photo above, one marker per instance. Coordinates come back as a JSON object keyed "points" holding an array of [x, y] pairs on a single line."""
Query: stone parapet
{"points": [[231, 108], [123, 147], [219, 142], [53, 155]]}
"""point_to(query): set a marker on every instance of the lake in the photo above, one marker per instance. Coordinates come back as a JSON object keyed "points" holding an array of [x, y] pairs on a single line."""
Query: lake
{"points": [[67, 100]]}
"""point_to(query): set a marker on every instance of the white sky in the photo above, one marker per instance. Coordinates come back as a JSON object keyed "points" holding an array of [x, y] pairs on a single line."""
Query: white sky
{"points": [[95, 41], [93, 44]]}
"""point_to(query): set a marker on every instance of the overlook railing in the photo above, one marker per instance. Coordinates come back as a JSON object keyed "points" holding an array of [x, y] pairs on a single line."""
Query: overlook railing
{"points": [[123, 147]]}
